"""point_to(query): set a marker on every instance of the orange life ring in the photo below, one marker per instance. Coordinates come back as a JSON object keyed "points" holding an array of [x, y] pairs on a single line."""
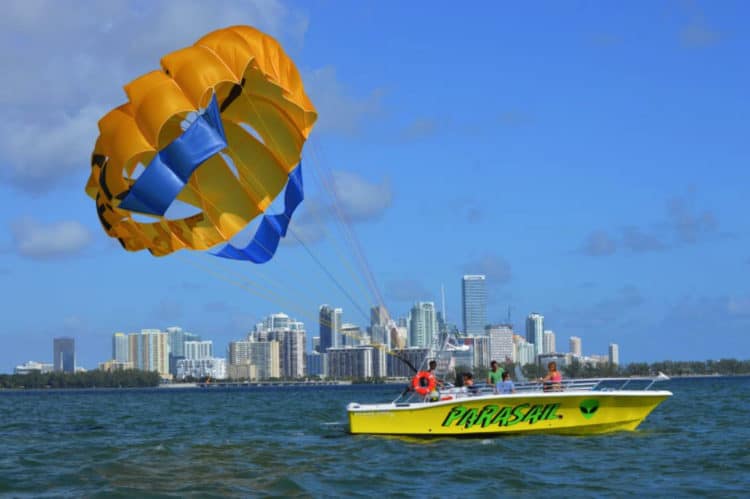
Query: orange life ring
{"points": [[423, 383]]}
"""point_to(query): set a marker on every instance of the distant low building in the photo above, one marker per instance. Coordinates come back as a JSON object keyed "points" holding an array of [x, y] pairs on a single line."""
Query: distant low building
{"points": [[34, 367], [115, 365], [242, 371], [211, 367]]}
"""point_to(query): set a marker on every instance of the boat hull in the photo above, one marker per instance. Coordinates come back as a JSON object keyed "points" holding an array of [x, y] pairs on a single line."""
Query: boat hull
{"points": [[577, 413]]}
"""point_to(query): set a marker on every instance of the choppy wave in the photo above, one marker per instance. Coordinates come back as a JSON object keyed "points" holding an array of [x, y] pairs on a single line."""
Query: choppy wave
{"points": [[294, 442]]}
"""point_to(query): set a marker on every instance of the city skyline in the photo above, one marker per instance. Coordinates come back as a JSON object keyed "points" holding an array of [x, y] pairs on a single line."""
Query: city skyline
{"points": [[161, 350], [592, 164]]}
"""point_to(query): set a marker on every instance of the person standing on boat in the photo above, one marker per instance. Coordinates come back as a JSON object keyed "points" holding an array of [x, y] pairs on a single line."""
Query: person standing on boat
{"points": [[495, 375], [506, 385], [432, 371], [553, 380]]}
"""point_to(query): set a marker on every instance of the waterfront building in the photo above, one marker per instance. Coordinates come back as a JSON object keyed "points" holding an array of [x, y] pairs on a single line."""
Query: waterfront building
{"points": [[315, 364], [549, 342], [474, 304], [575, 346], [358, 362], [34, 367], [244, 371], [415, 356], [316, 344], [614, 354], [422, 325], [176, 338], [535, 332], [501, 342], [115, 365], [149, 351], [292, 339], [64, 354], [206, 367], [196, 350], [120, 351], [264, 355]]}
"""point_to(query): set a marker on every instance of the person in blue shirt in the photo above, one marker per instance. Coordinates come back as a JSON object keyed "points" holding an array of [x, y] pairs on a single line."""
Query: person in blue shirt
{"points": [[506, 385]]}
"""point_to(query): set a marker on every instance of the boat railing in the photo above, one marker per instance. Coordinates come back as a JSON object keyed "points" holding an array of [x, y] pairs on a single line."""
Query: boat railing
{"points": [[569, 385]]}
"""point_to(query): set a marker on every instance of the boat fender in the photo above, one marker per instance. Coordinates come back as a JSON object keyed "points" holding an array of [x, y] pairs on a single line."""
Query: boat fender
{"points": [[423, 383]]}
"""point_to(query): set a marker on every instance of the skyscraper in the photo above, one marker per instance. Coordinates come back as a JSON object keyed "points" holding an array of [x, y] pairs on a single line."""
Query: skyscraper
{"points": [[64, 354], [330, 327], [422, 324], [614, 354], [120, 351], [575, 346], [535, 332], [474, 302], [549, 342]]}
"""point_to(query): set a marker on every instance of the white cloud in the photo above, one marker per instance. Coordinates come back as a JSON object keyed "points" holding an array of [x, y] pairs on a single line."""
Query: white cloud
{"points": [[64, 65], [43, 153], [360, 199], [496, 268], [41, 241], [338, 110]]}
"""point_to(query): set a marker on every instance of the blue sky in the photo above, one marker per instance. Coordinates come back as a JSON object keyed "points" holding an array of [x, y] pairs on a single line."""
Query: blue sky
{"points": [[590, 157]]}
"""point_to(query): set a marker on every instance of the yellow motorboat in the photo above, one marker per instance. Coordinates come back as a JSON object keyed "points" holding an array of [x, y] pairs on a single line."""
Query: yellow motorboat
{"points": [[582, 407]]}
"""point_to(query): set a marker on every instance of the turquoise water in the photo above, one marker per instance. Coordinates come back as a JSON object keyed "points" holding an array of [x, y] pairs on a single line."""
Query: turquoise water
{"points": [[293, 442]]}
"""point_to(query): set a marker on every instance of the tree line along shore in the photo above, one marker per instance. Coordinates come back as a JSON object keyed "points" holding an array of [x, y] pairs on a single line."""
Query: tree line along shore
{"points": [[133, 378]]}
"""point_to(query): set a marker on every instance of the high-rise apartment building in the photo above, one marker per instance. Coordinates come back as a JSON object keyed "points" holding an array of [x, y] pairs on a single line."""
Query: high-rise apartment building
{"points": [[291, 336], [549, 342], [356, 362], [423, 325], [176, 338], [120, 350], [265, 356], [535, 332], [196, 350], [575, 346], [330, 320], [149, 351], [474, 303], [614, 354], [501, 342], [64, 354]]}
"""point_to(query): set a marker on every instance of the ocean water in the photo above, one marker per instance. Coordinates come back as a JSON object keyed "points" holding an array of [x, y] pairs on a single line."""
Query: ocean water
{"points": [[294, 442]]}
